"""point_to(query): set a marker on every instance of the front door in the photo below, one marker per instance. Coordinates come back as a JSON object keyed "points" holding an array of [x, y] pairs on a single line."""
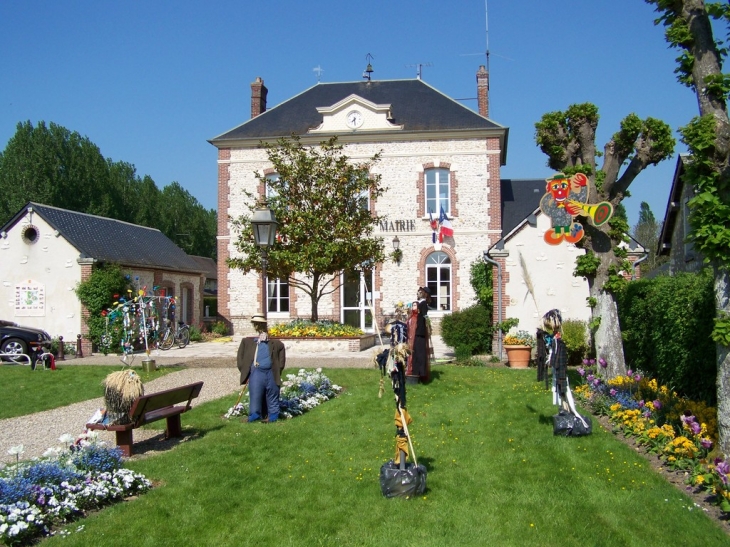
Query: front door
{"points": [[357, 299]]}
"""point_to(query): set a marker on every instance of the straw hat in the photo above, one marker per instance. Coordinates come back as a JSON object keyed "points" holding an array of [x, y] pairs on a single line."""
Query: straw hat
{"points": [[258, 318]]}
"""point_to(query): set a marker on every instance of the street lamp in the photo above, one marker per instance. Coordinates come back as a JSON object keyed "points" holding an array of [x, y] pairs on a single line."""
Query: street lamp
{"points": [[397, 253], [264, 233]]}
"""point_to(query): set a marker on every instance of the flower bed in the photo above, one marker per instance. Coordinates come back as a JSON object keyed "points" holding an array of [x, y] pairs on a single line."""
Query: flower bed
{"points": [[299, 392], [61, 486], [679, 431]]}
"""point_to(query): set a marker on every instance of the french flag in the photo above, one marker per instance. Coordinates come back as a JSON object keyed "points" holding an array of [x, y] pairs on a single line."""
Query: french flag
{"points": [[445, 228]]}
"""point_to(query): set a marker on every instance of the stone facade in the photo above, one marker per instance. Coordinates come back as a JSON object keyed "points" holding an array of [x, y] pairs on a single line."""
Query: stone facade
{"points": [[474, 168]]}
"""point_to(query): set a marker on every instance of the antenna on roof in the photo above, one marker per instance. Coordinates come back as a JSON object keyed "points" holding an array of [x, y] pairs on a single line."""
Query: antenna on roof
{"points": [[486, 21], [419, 66], [319, 70]]}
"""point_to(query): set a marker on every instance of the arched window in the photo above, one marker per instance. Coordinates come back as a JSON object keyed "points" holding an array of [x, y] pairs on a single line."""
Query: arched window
{"points": [[438, 280], [438, 191]]}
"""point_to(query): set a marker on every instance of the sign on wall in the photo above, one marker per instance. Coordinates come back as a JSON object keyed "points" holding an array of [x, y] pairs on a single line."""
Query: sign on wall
{"points": [[30, 299]]}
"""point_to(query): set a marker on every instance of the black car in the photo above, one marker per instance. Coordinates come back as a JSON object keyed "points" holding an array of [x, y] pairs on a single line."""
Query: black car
{"points": [[15, 339]]}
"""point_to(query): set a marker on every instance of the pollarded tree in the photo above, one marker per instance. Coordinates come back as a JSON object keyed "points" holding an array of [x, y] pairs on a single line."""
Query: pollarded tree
{"points": [[321, 202], [689, 28], [568, 139]]}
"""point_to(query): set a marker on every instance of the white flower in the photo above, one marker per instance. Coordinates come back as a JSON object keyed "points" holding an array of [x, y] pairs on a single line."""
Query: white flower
{"points": [[319, 369], [16, 450], [66, 438]]}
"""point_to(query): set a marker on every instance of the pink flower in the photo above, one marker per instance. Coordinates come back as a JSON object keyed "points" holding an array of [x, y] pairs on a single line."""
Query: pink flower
{"points": [[613, 392], [629, 372], [637, 377]]}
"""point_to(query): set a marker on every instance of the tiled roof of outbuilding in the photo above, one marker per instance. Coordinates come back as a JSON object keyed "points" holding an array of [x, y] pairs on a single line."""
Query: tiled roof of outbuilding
{"points": [[109, 240]]}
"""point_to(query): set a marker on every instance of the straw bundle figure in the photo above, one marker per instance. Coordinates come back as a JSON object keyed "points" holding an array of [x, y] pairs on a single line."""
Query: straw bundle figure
{"points": [[120, 390]]}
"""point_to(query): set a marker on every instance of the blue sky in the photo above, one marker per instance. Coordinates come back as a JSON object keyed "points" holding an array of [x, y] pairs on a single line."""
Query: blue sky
{"points": [[151, 82]]}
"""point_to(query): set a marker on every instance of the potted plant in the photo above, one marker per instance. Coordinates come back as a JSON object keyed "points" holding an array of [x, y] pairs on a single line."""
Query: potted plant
{"points": [[519, 346]]}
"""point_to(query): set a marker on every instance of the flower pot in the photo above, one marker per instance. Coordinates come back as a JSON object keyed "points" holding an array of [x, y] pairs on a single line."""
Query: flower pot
{"points": [[518, 356]]}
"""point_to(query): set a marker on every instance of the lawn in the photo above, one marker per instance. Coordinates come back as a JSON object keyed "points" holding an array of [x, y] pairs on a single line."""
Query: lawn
{"points": [[25, 391], [496, 476]]}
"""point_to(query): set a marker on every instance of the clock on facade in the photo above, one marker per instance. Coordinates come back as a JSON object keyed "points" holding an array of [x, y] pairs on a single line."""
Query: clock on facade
{"points": [[354, 119]]}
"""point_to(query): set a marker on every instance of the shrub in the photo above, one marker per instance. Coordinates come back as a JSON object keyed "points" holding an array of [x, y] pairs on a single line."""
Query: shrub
{"points": [[219, 327], [666, 323], [97, 294], [195, 334], [468, 330], [574, 336]]}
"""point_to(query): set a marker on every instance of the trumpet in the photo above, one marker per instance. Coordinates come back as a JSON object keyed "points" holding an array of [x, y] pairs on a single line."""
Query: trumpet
{"points": [[599, 213]]}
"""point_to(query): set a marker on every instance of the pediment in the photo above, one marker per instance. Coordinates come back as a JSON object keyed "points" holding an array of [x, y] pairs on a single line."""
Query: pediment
{"points": [[355, 114]]}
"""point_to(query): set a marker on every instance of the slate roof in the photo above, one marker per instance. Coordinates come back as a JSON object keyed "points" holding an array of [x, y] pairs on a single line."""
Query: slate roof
{"points": [[414, 104], [109, 240], [520, 199], [207, 265]]}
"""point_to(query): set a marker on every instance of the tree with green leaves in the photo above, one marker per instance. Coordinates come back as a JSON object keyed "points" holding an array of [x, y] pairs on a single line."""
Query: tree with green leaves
{"points": [[700, 67], [568, 139], [54, 166], [646, 232], [51, 165], [321, 200]]}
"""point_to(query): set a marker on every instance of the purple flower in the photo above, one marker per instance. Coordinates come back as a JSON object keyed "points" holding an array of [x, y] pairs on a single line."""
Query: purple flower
{"points": [[613, 392], [706, 443], [592, 362], [597, 382], [637, 377], [641, 403], [590, 377], [695, 427], [602, 362], [647, 414], [581, 371], [585, 362], [657, 404], [629, 372], [722, 468]]}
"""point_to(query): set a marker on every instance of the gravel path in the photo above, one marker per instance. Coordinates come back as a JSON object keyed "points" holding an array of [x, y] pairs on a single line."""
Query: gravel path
{"points": [[41, 431]]}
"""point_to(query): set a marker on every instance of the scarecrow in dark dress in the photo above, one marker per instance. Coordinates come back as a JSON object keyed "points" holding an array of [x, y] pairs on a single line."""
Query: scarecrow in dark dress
{"points": [[557, 360], [422, 337]]}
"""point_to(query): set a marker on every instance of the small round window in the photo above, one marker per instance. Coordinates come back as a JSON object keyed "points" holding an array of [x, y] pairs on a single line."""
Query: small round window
{"points": [[30, 234]]}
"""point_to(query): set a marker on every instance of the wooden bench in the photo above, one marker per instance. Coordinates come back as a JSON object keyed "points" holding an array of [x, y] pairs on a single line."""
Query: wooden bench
{"points": [[150, 408]]}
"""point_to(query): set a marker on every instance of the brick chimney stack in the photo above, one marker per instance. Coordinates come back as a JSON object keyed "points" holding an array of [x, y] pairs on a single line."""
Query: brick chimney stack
{"points": [[483, 91], [258, 97]]}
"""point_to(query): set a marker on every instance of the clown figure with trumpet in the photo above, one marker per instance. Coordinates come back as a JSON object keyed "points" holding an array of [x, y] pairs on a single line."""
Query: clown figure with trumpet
{"points": [[566, 198]]}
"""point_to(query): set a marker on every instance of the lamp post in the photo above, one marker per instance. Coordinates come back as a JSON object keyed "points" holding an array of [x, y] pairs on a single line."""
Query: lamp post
{"points": [[397, 253], [264, 233]]}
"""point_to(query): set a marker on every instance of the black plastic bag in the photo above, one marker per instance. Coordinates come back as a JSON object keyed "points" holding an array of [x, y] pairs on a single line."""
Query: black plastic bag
{"points": [[397, 482], [567, 424]]}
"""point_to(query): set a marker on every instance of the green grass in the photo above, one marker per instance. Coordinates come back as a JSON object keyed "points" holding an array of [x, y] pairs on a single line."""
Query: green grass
{"points": [[496, 476], [25, 391]]}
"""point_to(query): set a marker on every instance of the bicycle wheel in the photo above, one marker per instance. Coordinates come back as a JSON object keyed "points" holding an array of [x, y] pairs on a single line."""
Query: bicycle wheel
{"points": [[167, 340], [183, 338]]}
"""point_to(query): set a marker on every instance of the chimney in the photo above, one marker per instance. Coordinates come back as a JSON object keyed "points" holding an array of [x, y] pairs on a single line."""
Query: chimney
{"points": [[483, 91], [258, 97]]}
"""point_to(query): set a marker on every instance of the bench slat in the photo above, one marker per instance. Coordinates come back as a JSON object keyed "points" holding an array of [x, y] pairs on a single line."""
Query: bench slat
{"points": [[154, 401]]}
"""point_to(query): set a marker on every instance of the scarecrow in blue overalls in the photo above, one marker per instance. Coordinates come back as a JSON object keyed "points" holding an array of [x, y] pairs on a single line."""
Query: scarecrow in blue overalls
{"points": [[261, 360]]}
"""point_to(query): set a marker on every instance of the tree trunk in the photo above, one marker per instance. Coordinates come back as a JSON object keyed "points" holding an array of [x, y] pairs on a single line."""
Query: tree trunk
{"points": [[315, 298], [608, 341], [722, 302]]}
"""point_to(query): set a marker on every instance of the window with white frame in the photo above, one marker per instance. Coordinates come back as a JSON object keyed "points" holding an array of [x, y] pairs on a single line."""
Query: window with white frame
{"points": [[438, 191], [277, 295], [438, 280]]}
